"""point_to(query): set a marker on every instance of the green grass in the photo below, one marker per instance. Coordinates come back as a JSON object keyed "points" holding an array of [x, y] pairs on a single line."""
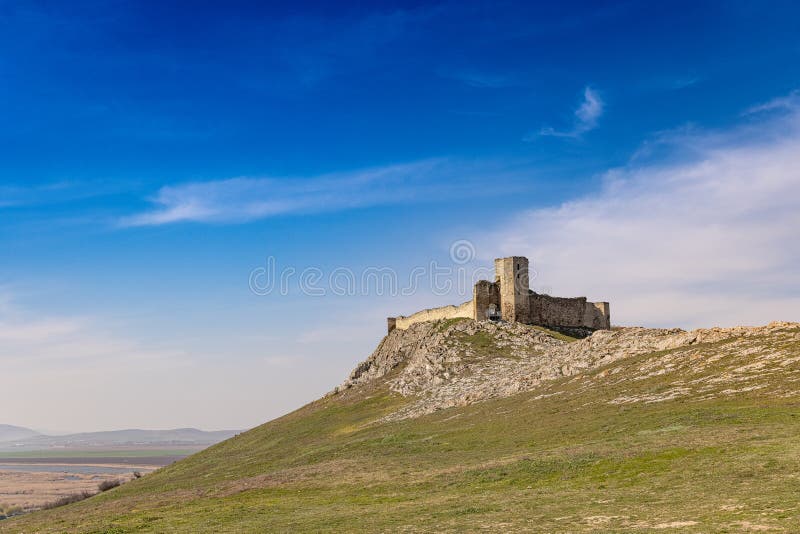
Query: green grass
{"points": [[482, 342], [565, 462], [483, 345]]}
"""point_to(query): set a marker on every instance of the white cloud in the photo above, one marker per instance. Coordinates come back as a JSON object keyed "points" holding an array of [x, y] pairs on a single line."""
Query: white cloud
{"points": [[586, 117], [590, 110], [710, 239], [245, 199]]}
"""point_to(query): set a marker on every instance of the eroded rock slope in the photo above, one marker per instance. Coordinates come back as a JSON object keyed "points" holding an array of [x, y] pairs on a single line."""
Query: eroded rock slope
{"points": [[454, 363]]}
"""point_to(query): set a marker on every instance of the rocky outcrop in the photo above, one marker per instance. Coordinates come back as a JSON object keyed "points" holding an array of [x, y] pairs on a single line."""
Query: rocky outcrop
{"points": [[457, 362]]}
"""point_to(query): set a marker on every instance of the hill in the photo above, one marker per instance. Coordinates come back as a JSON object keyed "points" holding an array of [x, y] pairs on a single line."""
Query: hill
{"points": [[15, 433], [458, 426], [180, 437]]}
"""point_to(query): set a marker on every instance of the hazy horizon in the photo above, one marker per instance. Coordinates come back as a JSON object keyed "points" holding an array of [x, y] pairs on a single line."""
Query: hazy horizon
{"points": [[59, 433]]}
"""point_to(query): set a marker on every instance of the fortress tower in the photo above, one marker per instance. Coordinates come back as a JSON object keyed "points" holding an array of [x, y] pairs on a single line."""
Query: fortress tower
{"points": [[511, 274]]}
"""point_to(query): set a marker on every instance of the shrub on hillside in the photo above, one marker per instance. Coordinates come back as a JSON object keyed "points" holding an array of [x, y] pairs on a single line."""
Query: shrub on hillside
{"points": [[7, 510], [67, 499], [108, 484]]}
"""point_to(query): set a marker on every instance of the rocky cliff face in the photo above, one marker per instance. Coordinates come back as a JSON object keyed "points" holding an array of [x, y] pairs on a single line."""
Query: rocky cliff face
{"points": [[457, 362]]}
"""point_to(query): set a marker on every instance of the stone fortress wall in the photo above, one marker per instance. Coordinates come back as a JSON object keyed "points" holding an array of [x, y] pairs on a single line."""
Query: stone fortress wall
{"points": [[510, 299], [434, 314]]}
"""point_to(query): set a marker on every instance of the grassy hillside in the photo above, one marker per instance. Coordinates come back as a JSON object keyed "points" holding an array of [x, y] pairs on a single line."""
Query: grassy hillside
{"points": [[611, 449]]}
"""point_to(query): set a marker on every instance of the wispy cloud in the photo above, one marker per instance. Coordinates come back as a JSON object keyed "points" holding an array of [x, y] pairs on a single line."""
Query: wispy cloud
{"points": [[790, 102], [483, 79], [60, 364], [68, 344], [19, 195], [674, 82], [586, 117], [245, 199], [683, 83], [55, 192], [37, 331], [314, 48], [706, 237]]}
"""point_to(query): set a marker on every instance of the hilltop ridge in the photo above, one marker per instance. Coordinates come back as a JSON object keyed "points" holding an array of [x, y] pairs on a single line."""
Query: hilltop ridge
{"points": [[460, 362]]}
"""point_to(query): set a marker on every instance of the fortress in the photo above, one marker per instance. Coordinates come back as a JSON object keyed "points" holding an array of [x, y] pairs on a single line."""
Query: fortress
{"points": [[509, 298]]}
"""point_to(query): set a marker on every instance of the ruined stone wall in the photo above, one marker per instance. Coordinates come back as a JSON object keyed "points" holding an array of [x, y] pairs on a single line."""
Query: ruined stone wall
{"points": [[543, 310], [557, 311], [485, 295], [434, 314], [598, 315], [560, 311], [509, 298]]}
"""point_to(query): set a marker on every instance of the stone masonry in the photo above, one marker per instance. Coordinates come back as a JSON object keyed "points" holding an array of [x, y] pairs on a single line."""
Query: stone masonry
{"points": [[509, 298]]}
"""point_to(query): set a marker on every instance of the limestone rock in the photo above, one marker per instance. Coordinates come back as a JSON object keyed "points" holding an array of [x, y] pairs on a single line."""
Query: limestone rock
{"points": [[442, 364]]}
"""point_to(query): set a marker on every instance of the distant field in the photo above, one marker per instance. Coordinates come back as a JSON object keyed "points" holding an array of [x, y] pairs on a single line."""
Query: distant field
{"points": [[153, 461], [30, 479], [26, 490]]}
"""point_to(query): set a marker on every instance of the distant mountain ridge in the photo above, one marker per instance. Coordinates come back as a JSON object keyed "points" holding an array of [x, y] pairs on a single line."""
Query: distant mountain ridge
{"points": [[13, 433], [26, 439]]}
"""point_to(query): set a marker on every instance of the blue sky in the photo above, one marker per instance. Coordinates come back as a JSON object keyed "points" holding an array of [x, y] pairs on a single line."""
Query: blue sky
{"points": [[152, 156]]}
